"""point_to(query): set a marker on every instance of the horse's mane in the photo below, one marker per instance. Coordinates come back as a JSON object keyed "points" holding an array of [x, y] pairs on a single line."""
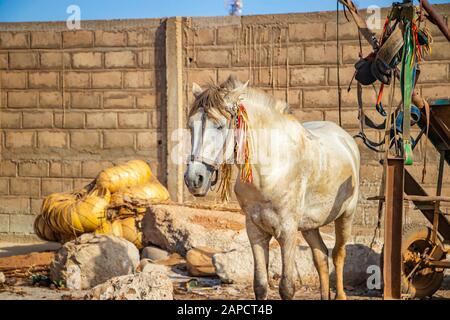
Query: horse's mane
{"points": [[212, 99], [264, 99]]}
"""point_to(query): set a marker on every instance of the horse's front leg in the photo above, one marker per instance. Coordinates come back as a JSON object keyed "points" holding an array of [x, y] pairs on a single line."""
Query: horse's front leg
{"points": [[259, 241], [288, 245]]}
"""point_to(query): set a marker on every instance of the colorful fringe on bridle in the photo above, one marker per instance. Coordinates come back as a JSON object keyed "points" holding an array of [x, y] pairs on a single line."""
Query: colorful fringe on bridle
{"points": [[243, 152], [242, 155]]}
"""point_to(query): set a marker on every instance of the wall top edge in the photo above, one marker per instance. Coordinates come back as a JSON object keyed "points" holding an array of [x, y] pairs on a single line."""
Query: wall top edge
{"points": [[199, 22]]}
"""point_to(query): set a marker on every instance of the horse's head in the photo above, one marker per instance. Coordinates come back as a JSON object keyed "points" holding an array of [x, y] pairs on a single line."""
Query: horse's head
{"points": [[211, 125]]}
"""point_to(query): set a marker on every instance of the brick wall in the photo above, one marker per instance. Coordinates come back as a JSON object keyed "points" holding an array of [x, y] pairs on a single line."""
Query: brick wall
{"points": [[73, 103]]}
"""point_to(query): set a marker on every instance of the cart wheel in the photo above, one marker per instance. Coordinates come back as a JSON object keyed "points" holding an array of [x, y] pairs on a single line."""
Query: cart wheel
{"points": [[426, 281]]}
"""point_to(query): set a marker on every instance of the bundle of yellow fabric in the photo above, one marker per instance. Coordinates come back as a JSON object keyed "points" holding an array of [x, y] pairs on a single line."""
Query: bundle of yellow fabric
{"points": [[67, 215], [127, 228], [130, 174], [149, 192]]}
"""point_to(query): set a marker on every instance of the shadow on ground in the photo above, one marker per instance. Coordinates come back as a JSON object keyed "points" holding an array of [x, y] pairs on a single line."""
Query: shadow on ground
{"points": [[10, 249]]}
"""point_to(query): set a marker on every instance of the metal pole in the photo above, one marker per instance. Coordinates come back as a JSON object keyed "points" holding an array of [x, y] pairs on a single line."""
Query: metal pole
{"points": [[392, 270], [438, 193]]}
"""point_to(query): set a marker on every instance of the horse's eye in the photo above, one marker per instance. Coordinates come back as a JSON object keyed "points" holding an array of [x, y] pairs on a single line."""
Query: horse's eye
{"points": [[220, 127]]}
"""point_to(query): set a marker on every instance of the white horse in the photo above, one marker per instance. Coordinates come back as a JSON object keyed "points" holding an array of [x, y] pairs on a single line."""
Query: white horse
{"points": [[310, 180]]}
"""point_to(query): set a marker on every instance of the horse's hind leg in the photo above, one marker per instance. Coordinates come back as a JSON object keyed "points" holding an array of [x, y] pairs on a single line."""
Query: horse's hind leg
{"points": [[320, 256], [343, 228], [259, 241]]}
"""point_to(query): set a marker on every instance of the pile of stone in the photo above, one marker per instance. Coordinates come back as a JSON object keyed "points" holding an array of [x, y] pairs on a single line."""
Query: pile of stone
{"points": [[108, 265], [215, 243], [187, 241]]}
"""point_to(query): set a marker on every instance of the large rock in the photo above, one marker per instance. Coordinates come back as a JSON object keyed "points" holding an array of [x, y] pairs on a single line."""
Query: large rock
{"points": [[199, 262], [92, 259], [179, 229], [154, 253], [150, 285], [236, 266], [152, 267]]}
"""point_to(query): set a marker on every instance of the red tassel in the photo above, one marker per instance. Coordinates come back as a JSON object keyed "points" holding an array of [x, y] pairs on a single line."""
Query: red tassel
{"points": [[243, 142]]}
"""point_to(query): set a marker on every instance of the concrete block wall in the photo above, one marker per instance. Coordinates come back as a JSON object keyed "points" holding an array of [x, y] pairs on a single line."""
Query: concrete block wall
{"points": [[75, 102]]}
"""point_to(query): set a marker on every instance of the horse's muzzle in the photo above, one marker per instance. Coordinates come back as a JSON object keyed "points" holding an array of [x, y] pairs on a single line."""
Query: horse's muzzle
{"points": [[197, 178]]}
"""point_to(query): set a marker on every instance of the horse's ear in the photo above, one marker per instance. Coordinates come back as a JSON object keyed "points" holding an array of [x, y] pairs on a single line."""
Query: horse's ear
{"points": [[196, 89], [231, 83], [241, 87]]}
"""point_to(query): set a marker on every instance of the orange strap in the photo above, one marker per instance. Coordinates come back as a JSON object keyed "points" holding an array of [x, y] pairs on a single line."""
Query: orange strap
{"points": [[380, 94]]}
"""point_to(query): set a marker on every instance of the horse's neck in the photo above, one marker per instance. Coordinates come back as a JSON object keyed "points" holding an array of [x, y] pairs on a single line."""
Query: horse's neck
{"points": [[261, 116], [282, 130], [268, 117]]}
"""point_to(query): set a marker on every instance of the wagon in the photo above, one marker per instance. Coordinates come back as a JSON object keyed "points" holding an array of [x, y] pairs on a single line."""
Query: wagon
{"points": [[414, 256], [425, 249]]}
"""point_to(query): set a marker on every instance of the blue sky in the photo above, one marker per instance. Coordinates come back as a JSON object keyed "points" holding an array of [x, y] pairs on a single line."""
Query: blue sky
{"points": [[55, 10]]}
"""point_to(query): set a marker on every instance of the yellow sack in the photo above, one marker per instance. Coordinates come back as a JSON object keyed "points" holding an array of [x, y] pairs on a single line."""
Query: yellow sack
{"points": [[43, 230], [131, 232], [151, 192], [110, 228], [68, 215], [128, 229], [127, 175]]}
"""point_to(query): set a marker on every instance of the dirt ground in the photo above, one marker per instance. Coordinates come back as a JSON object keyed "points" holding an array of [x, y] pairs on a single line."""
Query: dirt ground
{"points": [[185, 288], [222, 292]]}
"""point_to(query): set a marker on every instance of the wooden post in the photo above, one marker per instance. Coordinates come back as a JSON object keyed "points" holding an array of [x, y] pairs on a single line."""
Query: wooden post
{"points": [[392, 270], [175, 112]]}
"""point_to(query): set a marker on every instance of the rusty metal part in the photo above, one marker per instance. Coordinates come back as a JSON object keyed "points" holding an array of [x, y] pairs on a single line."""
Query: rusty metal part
{"points": [[438, 193], [393, 228], [412, 187], [427, 198], [420, 278], [444, 264], [416, 198], [436, 19], [416, 259], [417, 99], [439, 131], [368, 34], [437, 252]]}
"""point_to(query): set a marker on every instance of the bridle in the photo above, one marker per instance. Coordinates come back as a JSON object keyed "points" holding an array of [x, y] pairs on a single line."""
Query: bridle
{"points": [[213, 165]]}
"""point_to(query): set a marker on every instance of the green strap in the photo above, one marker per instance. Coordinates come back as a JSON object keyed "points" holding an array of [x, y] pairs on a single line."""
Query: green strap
{"points": [[406, 77]]}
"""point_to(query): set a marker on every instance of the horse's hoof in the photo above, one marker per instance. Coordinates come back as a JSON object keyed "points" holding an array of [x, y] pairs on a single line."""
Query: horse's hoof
{"points": [[261, 296], [260, 292], [287, 291], [341, 296], [287, 295]]}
